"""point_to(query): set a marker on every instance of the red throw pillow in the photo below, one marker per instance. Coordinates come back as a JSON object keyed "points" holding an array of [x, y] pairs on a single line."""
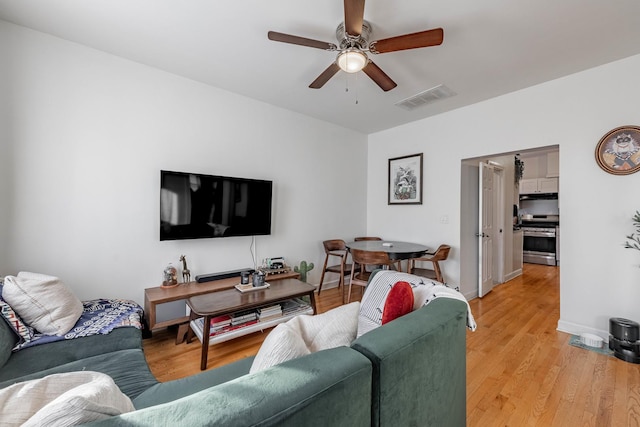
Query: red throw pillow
{"points": [[398, 303]]}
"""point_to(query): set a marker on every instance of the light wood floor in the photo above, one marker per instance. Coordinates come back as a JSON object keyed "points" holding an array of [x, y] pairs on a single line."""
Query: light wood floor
{"points": [[520, 370]]}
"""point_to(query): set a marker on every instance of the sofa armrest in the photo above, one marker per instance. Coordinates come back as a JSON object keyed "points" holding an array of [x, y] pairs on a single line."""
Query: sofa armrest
{"points": [[419, 366], [330, 387]]}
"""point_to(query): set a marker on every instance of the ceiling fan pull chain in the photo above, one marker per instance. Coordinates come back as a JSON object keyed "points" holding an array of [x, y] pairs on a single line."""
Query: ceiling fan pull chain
{"points": [[356, 76]]}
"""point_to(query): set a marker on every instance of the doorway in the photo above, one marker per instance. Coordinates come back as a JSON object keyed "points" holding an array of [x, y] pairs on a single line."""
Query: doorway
{"points": [[503, 257]]}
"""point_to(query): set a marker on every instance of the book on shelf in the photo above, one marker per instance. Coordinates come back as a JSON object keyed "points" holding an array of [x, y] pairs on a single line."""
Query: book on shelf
{"points": [[269, 308], [221, 323], [230, 328], [220, 320], [270, 312], [223, 328], [243, 313], [240, 321], [269, 317]]}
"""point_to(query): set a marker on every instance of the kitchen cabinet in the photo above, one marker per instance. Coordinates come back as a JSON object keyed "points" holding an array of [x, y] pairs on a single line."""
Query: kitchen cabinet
{"points": [[553, 164], [538, 185]]}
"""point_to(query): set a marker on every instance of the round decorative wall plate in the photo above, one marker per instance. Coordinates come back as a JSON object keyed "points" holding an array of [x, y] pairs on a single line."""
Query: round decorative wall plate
{"points": [[618, 151]]}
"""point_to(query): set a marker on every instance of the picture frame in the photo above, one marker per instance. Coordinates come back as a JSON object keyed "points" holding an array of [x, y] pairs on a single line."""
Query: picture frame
{"points": [[618, 151], [405, 180]]}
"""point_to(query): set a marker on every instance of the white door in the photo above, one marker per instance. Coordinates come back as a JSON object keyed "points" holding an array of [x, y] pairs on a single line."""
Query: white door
{"points": [[486, 232]]}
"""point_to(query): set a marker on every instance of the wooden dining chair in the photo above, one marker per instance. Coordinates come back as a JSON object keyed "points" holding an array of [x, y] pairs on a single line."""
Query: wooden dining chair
{"points": [[397, 264], [336, 248], [441, 254], [361, 259]]}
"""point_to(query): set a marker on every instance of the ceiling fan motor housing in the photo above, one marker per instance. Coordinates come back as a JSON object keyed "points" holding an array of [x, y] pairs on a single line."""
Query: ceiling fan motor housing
{"points": [[346, 41]]}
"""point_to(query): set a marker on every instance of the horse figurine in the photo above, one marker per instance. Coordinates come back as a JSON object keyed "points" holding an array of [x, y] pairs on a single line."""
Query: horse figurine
{"points": [[186, 274]]}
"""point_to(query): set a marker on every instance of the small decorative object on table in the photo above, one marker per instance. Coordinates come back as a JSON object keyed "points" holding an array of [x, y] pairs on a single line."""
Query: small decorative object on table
{"points": [[303, 269], [186, 273], [170, 277], [258, 278], [249, 287]]}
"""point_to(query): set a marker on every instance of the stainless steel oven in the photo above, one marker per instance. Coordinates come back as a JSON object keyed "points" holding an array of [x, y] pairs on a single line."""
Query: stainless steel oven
{"points": [[539, 244]]}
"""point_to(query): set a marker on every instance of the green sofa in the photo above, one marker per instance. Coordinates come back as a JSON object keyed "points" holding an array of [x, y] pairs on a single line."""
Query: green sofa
{"points": [[409, 372]]}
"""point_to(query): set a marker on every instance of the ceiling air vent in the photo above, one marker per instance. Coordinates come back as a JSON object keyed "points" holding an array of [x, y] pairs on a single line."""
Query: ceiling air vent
{"points": [[427, 97]]}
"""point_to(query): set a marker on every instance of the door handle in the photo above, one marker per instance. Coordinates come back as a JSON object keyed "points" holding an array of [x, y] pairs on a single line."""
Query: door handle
{"points": [[481, 235]]}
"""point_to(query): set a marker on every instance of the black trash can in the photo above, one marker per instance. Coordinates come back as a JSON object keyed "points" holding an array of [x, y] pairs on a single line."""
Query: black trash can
{"points": [[624, 339]]}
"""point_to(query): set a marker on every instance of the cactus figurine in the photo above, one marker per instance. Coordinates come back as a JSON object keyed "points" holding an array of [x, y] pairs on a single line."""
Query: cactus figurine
{"points": [[303, 270]]}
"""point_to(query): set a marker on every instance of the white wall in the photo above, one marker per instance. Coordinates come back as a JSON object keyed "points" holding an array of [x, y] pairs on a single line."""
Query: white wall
{"points": [[5, 155], [90, 134], [599, 278]]}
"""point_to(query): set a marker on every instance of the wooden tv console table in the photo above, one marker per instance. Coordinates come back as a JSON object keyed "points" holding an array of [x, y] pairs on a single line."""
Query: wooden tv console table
{"points": [[159, 295]]}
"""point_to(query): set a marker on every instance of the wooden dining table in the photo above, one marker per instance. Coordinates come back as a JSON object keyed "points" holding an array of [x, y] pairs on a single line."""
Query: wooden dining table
{"points": [[396, 250]]}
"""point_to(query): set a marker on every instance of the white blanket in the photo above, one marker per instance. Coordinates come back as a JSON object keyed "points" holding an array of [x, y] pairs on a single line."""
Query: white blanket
{"points": [[62, 400]]}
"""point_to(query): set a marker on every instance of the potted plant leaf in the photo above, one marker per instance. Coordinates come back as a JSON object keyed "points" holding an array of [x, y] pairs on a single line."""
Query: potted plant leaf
{"points": [[633, 241]]}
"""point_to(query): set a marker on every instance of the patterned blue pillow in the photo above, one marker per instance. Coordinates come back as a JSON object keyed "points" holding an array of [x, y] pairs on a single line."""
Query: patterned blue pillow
{"points": [[24, 331]]}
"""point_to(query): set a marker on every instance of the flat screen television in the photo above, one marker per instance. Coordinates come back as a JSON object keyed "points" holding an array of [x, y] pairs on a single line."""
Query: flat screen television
{"points": [[196, 206]]}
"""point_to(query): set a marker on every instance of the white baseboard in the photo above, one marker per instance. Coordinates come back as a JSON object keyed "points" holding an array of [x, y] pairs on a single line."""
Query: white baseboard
{"points": [[513, 275], [328, 284], [471, 295], [576, 329]]}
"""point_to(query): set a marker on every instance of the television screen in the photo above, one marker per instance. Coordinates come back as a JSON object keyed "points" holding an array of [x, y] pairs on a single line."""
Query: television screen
{"points": [[195, 206]]}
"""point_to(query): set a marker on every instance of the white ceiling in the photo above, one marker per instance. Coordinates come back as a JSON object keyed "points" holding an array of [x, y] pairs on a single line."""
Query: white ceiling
{"points": [[490, 47]]}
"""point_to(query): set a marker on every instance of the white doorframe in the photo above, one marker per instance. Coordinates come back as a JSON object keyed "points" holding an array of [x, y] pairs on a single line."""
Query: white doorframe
{"points": [[499, 210], [485, 233]]}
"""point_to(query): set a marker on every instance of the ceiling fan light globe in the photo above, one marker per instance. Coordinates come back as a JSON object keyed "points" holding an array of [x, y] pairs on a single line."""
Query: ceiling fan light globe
{"points": [[352, 61]]}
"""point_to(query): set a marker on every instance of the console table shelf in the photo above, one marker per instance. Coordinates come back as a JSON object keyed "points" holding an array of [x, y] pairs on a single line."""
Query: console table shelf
{"points": [[159, 295]]}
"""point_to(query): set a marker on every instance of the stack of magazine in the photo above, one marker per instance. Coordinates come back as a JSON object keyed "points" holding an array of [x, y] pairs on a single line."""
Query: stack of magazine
{"points": [[227, 323], [242, 317], [293, 306], [269, 313]]}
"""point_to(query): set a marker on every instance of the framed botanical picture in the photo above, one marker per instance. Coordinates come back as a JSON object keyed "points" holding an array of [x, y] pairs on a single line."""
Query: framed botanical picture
{"points": [[405, 180], [618, 151]]}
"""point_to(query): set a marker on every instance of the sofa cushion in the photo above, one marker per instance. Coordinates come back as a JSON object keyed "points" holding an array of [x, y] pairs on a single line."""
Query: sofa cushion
{"points": [[128, 368], [43, 302], [8, 339], [398, 303], [63, 400], [172, 390], [45, 356], [327, 388], [419, 366], [306, 334]]}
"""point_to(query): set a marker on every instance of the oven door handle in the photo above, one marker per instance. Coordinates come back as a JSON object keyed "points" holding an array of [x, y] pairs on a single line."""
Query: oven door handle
{"points": [[539, 234]]}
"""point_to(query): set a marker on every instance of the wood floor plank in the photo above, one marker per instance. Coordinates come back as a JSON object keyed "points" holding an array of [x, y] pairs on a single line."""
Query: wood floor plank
{"points": [[521, 371]]}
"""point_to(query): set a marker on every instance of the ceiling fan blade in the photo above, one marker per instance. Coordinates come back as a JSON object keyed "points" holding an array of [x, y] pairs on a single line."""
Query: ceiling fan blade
{"points": [[353, 16], [302, 41], [408, 41], [377, 75], [325, 76]]}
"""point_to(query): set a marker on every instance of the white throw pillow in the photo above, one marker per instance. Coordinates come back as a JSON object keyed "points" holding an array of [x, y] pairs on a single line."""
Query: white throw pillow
{"points": [[62, 400], [306, 334], [43, 302]]}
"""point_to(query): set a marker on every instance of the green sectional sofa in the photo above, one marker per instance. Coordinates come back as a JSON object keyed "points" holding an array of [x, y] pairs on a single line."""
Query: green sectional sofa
{"points": [[409, 372]]}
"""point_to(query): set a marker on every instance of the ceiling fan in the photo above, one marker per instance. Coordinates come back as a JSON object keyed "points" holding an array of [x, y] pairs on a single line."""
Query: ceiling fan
{"points": [[353, 45]]}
